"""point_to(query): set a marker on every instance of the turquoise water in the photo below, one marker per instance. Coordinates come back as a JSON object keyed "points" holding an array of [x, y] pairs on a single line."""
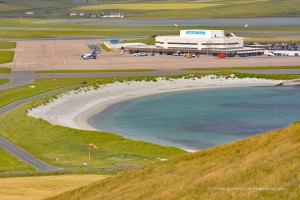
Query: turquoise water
{"points": [[199, 119]]}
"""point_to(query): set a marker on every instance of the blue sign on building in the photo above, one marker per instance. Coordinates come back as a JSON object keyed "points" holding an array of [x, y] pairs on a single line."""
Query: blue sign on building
{"points": [[195, 32]]}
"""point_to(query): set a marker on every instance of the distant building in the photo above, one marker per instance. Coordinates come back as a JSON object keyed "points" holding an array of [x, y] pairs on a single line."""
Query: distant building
{"points": [[201, 40], [73, 14], [29, 13], [113, 15], [80, 1]]}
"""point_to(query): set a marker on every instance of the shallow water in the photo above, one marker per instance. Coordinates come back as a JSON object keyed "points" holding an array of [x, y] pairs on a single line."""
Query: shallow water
{"points": [[199, 119]]}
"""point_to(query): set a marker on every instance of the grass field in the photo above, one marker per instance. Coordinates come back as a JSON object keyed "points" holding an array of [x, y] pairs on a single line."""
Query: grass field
{"points": [[152, 9], [13, 34], [4, 70], [147, 6], [260, 167], [9, 163], [41, 187], [3, 81], [6, 56], [91, 71], [241, 68], [7, 45], [211, 9]]}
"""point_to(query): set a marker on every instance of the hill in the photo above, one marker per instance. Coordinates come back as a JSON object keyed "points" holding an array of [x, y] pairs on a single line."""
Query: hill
{"points": [[151, 9], [265, 166]]}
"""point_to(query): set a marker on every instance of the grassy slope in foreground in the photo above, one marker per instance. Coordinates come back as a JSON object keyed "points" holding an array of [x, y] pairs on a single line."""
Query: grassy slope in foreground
{"points": [[268, 160]]}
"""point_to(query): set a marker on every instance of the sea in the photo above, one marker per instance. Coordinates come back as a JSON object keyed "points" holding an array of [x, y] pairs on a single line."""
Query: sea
{"points": [[200, 119]]}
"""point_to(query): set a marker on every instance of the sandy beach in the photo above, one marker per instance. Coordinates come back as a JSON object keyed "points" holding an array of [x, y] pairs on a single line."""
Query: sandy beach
{"points": [[72, 109]]}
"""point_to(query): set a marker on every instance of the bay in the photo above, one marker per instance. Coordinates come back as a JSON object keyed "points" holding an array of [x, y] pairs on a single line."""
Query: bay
{"points": [[200, 119]]}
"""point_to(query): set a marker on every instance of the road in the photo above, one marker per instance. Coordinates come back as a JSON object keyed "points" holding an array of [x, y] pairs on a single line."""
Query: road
{"points": [[23, 155]]}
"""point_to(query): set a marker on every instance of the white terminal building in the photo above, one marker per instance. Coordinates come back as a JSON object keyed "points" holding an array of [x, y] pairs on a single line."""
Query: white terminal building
{"points": [[206, 41], [200, 40], [212, 42]]}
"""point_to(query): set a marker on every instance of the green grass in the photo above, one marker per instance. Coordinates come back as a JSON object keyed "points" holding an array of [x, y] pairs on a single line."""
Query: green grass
{"points": [[148, 41], [4, 70], [7, 45], [147, 6], [6, 56], [241, 68], [105, 48], [12, 34], [161, 9], [9, 163], [91, 71], [3, 81], [268, 161], [42, 85]]}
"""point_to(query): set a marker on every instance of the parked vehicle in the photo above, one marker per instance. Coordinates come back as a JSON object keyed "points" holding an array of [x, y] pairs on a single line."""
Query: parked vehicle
{"points": [[140, 54]]}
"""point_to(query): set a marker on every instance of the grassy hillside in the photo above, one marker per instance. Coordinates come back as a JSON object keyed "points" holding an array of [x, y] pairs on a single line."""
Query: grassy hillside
{"points": [[262, 167], [41, 187], [155, 9], [9, 163]]}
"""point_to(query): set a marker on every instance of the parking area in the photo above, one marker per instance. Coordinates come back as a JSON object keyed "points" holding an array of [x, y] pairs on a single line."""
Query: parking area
{"points": [[66, 55]]}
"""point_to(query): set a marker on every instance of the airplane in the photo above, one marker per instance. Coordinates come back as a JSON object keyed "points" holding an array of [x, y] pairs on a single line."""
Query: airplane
{"points": [[90, 55]]}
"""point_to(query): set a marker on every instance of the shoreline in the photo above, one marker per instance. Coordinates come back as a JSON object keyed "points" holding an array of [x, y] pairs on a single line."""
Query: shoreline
{"points": [[75, 108]]}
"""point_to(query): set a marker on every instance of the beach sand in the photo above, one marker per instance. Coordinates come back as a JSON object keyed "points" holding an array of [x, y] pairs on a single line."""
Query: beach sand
{"points": [[73, 109]]}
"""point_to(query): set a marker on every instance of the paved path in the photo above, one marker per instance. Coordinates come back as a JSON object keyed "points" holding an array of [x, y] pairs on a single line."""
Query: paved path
{"points": [[21, 154]]}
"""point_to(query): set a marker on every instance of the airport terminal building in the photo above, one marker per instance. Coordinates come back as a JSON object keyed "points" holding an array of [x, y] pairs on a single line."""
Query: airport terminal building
{"points": [[213, 42], [201, 40], [210, 42]]}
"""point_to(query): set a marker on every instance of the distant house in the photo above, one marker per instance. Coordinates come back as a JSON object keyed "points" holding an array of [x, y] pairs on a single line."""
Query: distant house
{"points": [[29, 13], [73, 14], [80, 1], [113, 15]]}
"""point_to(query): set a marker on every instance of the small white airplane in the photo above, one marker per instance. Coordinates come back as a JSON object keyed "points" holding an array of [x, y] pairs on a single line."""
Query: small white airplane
{"points": [[90, 55]]}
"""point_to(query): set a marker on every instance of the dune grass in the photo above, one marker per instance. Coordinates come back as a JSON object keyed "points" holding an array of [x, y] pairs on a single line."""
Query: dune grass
{"points": [[42, 85], [41, 187], [265, 166], [9, 163], [6, 56]]}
